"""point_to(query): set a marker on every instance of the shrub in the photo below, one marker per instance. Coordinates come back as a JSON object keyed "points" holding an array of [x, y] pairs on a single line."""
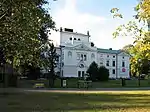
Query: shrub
{"points": [[103, 74], [93, 71]]}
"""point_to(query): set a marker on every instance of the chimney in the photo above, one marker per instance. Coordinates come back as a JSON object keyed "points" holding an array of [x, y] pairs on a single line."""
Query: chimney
{"points": [[88, 33], [60, 29]]}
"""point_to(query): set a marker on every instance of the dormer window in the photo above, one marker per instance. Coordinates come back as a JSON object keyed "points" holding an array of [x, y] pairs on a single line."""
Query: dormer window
{"points": [[75, 39], [70, 38], [78, 39]]}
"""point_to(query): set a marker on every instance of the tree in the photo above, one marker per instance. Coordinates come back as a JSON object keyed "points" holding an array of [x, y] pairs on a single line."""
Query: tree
{"points": [[136, 29], [51, 59], [20, 23], [127, 48], [93, 71], [103, 73]]}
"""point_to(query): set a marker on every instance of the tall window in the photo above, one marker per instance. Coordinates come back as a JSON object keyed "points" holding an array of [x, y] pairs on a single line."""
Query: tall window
{"points": [[92, 56], [69, 54], [82, 73], [101, 62], [113, 71], [85, 57], [107, 63], [81, 56], [123, 64], [113, 64], [79, 73], [78, 56]]}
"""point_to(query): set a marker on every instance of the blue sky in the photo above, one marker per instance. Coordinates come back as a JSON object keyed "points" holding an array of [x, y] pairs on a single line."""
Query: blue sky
{"points": [[95, 16]]}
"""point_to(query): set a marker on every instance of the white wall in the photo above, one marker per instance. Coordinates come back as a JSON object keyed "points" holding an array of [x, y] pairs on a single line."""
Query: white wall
{"points": [[65, 38], [127, 66], [71, 64]]}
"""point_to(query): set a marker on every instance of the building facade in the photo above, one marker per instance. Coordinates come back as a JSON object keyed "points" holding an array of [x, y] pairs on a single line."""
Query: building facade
{"points": [[77, 53]]}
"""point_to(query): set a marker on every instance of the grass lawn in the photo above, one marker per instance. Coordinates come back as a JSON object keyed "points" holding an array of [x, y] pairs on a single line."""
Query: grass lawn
{"points": [[129, 101], [72, 83]]}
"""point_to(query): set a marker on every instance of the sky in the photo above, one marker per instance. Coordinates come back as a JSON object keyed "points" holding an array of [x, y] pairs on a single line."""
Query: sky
{"points": [[93, 16]]}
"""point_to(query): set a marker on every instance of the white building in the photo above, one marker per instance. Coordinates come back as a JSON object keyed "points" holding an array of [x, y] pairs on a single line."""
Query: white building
{"points": [[77, 53]]}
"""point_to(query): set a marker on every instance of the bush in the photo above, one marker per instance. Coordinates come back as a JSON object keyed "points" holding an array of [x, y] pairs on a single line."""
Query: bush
{"points": [[103, 74], [93, 71]]}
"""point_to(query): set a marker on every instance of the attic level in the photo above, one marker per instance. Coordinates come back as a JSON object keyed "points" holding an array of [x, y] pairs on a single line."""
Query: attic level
{"points": [[69, 30]]}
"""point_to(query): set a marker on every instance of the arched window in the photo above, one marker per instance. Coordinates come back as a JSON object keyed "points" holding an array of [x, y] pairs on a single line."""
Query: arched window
{"points": [[69, 54], [92, 56]]}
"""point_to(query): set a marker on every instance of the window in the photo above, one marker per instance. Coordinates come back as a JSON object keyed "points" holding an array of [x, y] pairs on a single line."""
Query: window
{"points": [[78, 56], [78, 39], [113, 64], [101, 62], [81, 56], [92, 56], [113, 71], [79, 73], [84, 57], [70, 38], [123, 57], [107, 63], [69, 54], [82, 73], [75, 39], [113, 56], [123, 64], [107, 56]]}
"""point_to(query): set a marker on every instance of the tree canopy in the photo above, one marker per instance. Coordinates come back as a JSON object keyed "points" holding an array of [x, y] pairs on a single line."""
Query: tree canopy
{"points": [[139, 30], [20, 24]]}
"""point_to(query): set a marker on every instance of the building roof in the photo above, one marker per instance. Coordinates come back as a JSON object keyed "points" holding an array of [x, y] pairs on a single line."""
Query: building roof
{"points": [[108, 51]]}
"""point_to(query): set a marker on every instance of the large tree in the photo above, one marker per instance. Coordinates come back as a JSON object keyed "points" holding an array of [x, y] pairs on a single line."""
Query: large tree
{"points": [[20, 24], [136, 29], [50, 59]]}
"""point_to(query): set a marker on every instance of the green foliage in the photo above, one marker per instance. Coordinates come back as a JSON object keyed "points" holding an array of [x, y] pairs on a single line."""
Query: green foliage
{"points": [[115, 12], [97, 73], [50, 61], [103, 74], [93, 71], [136, 29], [20, 24]]}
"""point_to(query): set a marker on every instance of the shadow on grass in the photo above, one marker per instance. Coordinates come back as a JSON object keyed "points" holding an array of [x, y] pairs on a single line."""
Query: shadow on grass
{"points": [[45, 102]]}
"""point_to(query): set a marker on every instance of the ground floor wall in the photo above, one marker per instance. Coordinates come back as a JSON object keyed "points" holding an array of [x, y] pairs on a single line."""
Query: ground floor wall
{"points": [[74, 71]]}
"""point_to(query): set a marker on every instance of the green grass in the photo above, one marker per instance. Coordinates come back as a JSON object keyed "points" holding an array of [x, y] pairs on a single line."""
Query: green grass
{"points": [[72, 83], [135, 101]]}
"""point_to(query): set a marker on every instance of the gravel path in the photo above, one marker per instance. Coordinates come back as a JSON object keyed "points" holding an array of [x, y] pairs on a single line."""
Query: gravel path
{"points": [[72, 90]]}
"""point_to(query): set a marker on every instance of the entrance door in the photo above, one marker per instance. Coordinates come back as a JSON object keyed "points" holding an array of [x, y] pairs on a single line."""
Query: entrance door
{"points": [[79, 73], [82, 73]]}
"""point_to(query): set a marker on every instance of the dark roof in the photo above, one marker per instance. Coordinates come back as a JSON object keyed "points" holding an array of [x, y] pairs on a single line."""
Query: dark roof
{"points": [[108, 51]]}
